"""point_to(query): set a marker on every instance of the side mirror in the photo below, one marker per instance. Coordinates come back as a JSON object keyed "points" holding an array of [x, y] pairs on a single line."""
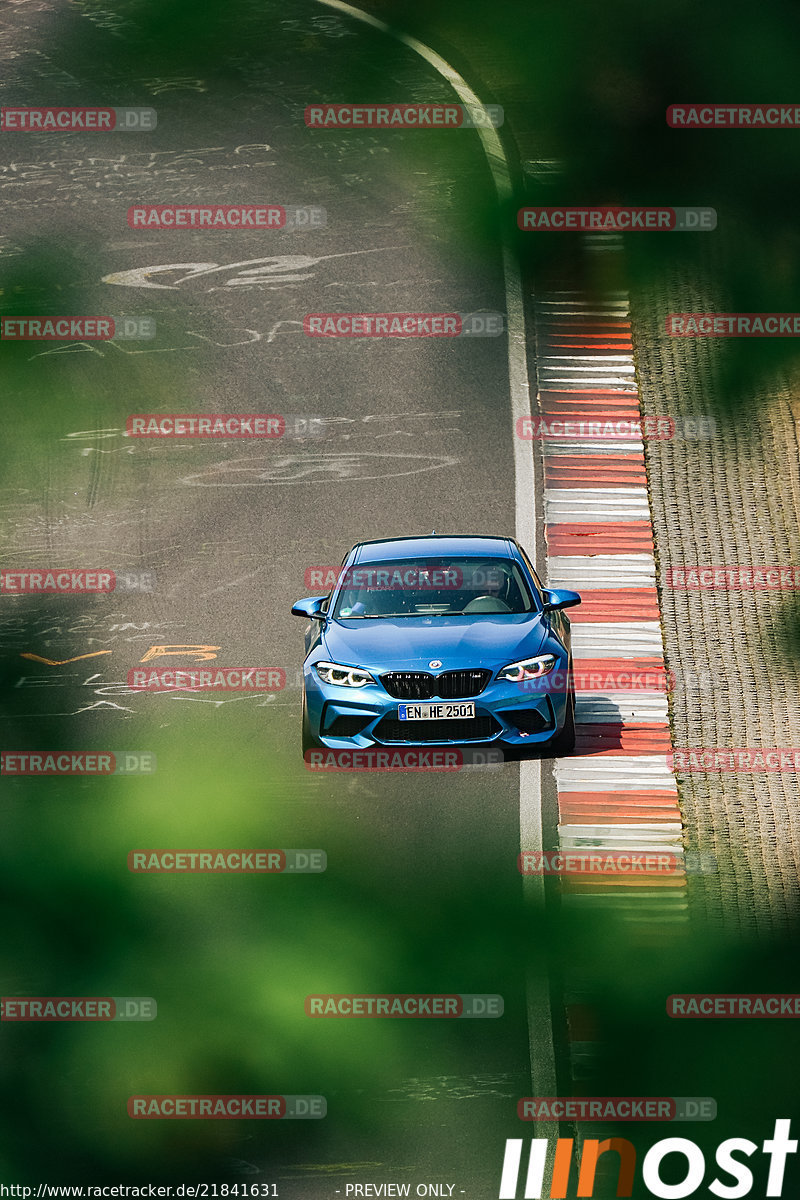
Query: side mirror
{"points": [[311, 607], [556, 600]]}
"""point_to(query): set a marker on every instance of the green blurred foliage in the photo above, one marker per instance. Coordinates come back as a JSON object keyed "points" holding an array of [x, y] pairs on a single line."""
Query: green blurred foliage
{"points": [[589, 86]]}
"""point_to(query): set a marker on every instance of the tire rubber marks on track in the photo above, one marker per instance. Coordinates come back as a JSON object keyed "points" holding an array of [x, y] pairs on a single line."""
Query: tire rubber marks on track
{"points": [[259, 272], [196, 652], [254, 336], [315, 468]]}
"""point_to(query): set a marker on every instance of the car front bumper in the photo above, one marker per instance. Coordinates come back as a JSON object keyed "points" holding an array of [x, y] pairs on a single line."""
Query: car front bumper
{"points": [[345, 718]]}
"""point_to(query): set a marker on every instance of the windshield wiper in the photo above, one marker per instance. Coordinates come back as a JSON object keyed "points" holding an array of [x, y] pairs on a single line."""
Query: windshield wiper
{"points": [[372, 616], [499, 613]]}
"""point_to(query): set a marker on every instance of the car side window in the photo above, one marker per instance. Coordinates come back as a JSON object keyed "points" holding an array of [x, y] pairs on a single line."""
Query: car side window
{"points": [[538, 585], [327, 603]]}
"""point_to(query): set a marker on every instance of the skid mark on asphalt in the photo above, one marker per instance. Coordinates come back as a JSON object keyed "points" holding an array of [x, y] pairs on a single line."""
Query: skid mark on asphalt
{"points": [[314, 468]]}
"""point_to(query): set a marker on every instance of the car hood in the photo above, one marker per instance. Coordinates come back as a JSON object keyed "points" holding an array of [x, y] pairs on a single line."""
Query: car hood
{"points": [[410, 643]]}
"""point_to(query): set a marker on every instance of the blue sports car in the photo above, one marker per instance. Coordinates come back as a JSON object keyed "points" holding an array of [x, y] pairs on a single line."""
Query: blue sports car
{"points": [[438, 641]]}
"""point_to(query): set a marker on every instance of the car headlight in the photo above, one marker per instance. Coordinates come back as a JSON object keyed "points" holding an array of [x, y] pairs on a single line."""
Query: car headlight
{"points": [[342, 676], [528, 668]]}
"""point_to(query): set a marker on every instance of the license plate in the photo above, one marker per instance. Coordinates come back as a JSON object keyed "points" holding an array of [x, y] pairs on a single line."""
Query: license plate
{"points": [[436, 712]]}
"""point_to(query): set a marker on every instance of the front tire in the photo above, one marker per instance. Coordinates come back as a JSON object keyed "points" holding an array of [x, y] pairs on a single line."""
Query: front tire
{"points": [[564, 741], [308, 741]]}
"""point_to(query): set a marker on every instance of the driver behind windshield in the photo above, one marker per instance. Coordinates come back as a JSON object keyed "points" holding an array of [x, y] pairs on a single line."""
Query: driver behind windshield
{"points": [[423, 588]]}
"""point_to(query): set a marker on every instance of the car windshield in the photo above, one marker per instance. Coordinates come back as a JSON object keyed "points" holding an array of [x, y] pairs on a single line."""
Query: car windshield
{"points": [[425, 587]]}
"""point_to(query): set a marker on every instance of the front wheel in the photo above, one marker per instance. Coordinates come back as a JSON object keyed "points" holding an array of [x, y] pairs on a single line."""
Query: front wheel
{"points": [[308, 741], [564, 741]]}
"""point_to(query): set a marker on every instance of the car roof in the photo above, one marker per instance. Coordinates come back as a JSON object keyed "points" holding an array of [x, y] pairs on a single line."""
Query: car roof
{"points": [[433, 545]]}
